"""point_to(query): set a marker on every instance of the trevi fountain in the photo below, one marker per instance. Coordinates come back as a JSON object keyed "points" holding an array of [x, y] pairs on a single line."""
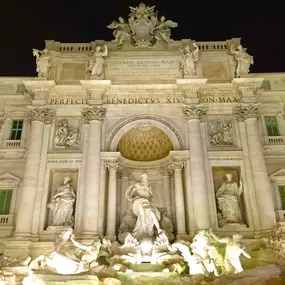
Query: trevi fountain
{"points": [[142, 160]]}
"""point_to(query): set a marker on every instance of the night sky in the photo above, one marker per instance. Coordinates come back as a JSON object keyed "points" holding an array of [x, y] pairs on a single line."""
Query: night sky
{"points": [[25, 24]]}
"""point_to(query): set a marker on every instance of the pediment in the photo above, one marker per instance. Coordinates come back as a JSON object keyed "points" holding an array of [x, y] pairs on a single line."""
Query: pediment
{"points": [[280, 172], [9, 177]]}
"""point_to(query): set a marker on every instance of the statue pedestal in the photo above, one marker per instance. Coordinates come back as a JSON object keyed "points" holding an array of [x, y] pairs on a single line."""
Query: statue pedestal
{"points": [[234, 226], [55, 229]]}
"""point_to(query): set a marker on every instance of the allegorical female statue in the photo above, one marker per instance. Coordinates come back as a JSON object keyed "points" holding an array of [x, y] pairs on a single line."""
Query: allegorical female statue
{"points": [[96, 66], [228, 196], [243, 59], [189, 59], [148, 216], [62, 203], [43, 62]]}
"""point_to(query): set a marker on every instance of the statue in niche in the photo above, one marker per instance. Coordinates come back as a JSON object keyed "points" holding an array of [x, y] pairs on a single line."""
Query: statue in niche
{"points": [[243, 60], [148, 216], [62, 204], [43, 62], [96, 65], [66, 135], [122, 31], [234, 248], [189, 59], [228, 196], [221, 132]]}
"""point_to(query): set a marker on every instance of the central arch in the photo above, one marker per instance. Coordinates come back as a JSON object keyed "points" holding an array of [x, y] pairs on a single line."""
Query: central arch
{"points": [[124, 126]]}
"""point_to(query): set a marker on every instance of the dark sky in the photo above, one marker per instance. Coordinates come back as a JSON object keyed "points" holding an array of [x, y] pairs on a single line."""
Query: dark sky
{"points": [[25, 24]]}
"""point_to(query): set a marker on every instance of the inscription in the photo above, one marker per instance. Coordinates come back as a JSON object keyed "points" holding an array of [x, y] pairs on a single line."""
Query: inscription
{"points": [[146, 100], [66, 101], [220, 99], [65, 161], [143, 68]]}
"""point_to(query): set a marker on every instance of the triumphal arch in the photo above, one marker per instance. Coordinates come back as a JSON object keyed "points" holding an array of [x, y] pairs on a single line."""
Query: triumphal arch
{"points": [[140, 158]]}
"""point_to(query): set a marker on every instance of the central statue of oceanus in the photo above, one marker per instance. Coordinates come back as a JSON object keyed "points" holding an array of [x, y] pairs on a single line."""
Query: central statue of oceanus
{"points": [[148, 216]]}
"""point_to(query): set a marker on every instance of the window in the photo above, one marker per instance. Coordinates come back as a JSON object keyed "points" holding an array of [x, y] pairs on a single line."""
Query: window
{"points": [[5, 201], [282, 195], [16, 130], [271, 126]]}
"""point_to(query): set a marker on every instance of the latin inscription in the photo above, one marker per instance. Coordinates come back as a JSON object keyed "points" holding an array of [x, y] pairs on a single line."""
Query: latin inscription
{"points": [[143, 68], [219, 99], [67, 101], [146, 100]]}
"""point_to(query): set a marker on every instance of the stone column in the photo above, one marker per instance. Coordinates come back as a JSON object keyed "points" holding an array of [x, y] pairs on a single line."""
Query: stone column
{"points": [[189, 199], [125, 205], [112, 200], [179, 198], [102, 203], [38, 116], [166, 190], [94, 116], [249, 113], [193, 114]]}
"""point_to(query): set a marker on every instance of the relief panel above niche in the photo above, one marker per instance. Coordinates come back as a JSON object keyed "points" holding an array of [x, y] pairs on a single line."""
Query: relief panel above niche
{"points": [[216, 67], [71, 71], [67, 133]]}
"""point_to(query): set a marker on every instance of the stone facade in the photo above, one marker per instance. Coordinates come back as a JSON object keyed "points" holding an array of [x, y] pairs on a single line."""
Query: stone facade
{"points": [[198, 126]]}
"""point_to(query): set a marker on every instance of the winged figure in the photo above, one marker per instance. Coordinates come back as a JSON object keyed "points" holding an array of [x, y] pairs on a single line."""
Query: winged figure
{"points": [[121, 31], [162, 30]]}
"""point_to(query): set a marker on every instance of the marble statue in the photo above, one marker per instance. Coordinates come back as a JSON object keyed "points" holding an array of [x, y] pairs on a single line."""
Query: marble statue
{"points": [[96, 65], [144, 28], [65, 135], [243, 60], [68, 261], [43, 62], [62, 204], [234, 248], [221, 132], [121, 32], [148, 216], [201, 256], [228, 196], [189, 60], [162, 30]]}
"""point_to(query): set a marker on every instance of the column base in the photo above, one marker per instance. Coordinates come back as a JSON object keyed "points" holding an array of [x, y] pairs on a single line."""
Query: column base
{"points": [[88, 235], [183, 236], [111, 237], [21, 236]]}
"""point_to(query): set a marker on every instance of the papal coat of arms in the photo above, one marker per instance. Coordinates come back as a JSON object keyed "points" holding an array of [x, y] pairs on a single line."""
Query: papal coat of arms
{"points": [[144, 28]]}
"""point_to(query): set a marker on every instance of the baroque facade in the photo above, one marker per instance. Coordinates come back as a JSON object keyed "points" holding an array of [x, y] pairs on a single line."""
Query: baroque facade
{"points": [[209, 134]]}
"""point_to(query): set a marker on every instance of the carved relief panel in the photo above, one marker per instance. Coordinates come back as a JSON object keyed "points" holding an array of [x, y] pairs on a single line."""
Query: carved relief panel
{"points": [[67, 133], [221, 132], [229, 188]]}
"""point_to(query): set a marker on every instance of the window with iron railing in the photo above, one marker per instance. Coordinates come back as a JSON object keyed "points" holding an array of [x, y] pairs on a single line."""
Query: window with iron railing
{"points": [[272, 126], [5, 201], [16, 129]]}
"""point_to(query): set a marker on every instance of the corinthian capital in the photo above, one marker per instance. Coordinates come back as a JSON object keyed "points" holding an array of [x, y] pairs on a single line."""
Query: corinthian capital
{"points": [[2, 121], [112, 166], [246, 111], [93, 113], [178, 164], [195, 111], [41, 113]]}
